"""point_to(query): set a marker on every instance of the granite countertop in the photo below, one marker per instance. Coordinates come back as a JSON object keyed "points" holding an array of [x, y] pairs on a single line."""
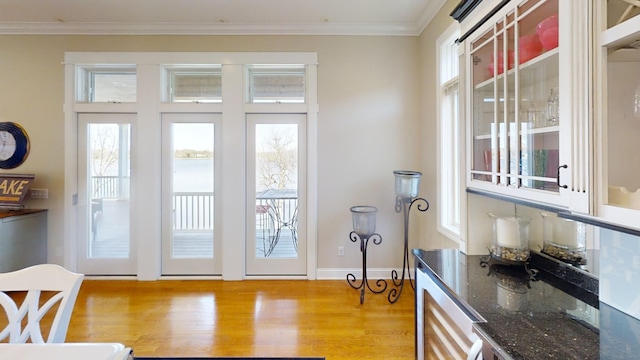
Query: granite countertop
{"points": [[552, 315]]}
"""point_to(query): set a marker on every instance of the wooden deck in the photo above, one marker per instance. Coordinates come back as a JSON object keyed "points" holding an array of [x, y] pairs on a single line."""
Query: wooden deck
{"points": [[112, 237]]}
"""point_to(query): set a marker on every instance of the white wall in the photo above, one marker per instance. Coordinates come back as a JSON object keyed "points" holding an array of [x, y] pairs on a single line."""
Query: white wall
{"points": [[368, 125]]}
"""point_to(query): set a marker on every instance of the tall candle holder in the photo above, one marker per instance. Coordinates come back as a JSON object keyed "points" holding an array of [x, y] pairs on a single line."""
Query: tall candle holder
{"points": [[407, 184], [364, 229]]}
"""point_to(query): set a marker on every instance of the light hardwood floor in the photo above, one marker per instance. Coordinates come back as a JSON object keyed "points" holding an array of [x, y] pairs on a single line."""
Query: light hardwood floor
{"points": [[245, 318]]}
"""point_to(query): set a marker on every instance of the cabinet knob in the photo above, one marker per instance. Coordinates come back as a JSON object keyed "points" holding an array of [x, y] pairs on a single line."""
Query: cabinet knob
{"points": [[558, 176]]}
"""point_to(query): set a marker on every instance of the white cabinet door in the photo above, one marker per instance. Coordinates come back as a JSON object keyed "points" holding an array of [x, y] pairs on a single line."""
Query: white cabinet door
{"points": [[529, 122], [617, 85]]}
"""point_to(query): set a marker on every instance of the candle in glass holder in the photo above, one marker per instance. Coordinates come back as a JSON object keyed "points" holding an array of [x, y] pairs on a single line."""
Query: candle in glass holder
{"points": [[364, 220], [407, 183], [564, 233], [508, 232]]}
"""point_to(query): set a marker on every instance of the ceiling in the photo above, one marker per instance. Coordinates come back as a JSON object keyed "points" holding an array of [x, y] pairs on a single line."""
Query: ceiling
{"points": [[217, 17]]}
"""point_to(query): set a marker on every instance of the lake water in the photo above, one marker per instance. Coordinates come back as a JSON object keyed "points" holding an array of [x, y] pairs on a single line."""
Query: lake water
{"points": [[194, 175]]}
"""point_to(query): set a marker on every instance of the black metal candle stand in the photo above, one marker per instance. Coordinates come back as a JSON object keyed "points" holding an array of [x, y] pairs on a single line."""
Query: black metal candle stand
{"points": [[404, 205], [381, 285]]}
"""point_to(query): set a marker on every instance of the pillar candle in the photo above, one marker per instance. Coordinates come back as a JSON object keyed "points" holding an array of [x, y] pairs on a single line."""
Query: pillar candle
{"points": [[508, 232], [564, 233]]}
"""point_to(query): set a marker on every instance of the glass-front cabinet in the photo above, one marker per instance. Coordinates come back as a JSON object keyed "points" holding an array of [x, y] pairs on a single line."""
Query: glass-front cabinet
{"points": [[528, 123], [618, 121]]}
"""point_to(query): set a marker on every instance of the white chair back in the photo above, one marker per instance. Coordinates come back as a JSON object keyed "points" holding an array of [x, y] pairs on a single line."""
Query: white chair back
{"points": [[34, 280]]}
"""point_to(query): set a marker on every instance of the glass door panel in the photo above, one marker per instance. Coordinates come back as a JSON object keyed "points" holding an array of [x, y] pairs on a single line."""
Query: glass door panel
{"points": [[511, 122], [538, 83], [484, 71], [188, 246], [623, 117], [501, 130], [104, 194], [515, 99], [275, 242]]}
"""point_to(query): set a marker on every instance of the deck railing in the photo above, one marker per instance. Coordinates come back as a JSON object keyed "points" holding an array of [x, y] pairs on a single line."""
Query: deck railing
{"points": [[110, 187], [193, 210]]}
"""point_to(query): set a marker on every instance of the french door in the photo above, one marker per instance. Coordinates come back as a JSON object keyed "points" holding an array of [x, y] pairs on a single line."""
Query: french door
{"points": [[190, 241], [103, 199], [276, 193]]}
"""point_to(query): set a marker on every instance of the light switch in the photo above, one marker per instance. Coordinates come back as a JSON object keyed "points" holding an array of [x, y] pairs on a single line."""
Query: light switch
{"points": [[39, 193]]}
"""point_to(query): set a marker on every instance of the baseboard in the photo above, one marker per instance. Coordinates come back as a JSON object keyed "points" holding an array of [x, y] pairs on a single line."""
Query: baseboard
{"points": [[321, 274], [341, 273]]}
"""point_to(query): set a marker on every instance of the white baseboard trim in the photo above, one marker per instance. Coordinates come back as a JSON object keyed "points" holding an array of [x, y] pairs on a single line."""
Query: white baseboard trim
{"points": [[341, 273], [321, 274]]}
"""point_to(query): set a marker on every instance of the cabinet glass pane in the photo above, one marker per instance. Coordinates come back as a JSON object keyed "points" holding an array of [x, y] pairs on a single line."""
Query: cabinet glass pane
{"points": [[511, 139], [538, 94], [623, 128], [619, 11], [484, 106], [515, 99]]}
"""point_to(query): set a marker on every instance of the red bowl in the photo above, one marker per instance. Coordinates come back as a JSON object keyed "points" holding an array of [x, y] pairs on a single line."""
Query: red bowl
{"points": [[527, 55], [530, 43], [491, 66], [549, 38], [548, 23], [530, 47], [491, 69]]}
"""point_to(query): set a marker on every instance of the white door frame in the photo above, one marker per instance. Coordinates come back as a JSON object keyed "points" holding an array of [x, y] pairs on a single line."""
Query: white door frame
{"points": [[275, 265], [93, 265], [146, 143], [189, 266]]}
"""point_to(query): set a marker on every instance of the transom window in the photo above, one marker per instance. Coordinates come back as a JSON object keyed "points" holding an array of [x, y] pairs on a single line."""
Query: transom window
{"points": [[110, 84], [194, 84], [276, 84]]}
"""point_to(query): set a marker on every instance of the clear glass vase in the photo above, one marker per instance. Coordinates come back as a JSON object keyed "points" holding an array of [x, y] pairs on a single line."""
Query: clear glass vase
{"points": [[552, 108]]}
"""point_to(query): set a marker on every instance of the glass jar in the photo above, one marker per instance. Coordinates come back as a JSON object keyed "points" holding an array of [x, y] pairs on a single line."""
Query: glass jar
{"points": [[407, 183], [364, 220], [510, 238], [564, 239], [553, 107]]}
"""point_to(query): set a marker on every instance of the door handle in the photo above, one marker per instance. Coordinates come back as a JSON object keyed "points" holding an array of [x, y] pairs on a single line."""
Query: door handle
{"points": [[558, 176]]}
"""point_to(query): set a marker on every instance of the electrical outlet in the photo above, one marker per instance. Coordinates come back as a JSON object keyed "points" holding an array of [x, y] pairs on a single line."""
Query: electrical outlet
{"points": [[39, 193], [340, 250]]}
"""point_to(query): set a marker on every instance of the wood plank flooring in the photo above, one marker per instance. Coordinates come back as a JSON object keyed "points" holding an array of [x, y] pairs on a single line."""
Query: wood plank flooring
{"points": [[245, 318]]}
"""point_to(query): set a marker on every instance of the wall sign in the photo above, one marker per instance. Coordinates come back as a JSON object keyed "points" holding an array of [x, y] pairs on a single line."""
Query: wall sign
{"points": [[14, 188]]}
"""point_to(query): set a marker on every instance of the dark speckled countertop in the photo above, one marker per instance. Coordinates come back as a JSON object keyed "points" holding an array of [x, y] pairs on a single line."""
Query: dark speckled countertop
{"points": [[555, 314]]}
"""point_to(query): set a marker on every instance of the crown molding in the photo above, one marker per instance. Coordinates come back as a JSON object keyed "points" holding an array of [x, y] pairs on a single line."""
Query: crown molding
{"points": [[224, 28], [429, 13], [110, 28]]}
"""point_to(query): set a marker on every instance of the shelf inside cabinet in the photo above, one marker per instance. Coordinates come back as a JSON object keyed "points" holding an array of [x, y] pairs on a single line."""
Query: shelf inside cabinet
{"points": [[543, 130], [531, 131], [621, 35], [482, 137], [544, 66]]}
